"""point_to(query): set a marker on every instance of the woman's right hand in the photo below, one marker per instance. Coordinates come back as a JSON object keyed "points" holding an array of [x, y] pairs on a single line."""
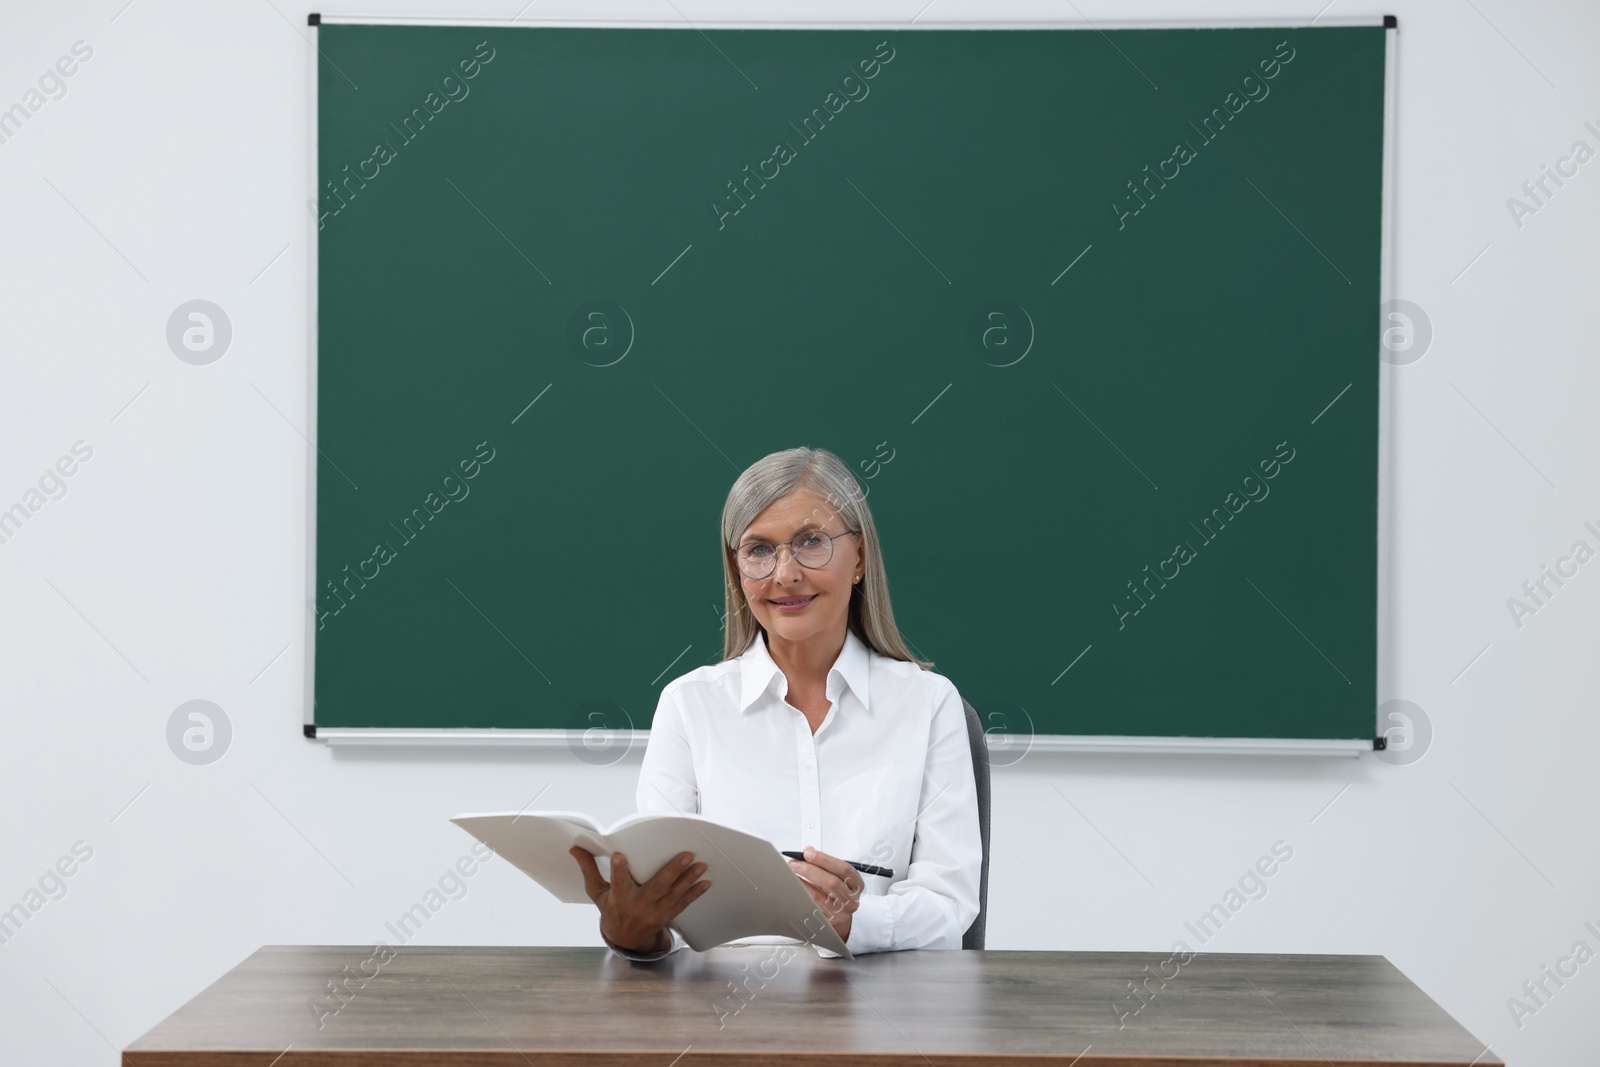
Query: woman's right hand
{"points": [[635, 916]]}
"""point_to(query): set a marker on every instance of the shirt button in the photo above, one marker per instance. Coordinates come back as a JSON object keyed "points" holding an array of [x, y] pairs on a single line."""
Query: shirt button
{"points": [[810, 825], [808, 765]]}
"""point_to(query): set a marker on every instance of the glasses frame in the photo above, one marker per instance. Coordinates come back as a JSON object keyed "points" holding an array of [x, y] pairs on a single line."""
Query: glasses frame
{"points": [[738, 553]]}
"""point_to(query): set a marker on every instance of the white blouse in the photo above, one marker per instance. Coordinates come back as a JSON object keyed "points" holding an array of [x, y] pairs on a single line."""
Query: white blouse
{"points": [[886, 780]]}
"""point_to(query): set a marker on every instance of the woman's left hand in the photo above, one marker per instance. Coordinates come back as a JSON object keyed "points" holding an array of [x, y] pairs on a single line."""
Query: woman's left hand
{"points": [[834, 885]]}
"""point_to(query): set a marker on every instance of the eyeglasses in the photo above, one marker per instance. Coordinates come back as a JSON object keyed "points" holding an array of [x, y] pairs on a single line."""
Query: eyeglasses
{"points": [[812, 549]]}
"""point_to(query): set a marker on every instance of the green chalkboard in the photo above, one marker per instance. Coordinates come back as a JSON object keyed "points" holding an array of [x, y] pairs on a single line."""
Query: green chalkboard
{"points": [[1093, 316]]}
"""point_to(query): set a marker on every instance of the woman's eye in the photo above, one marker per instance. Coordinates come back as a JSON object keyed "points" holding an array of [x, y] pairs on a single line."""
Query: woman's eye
{"points": [[759, 549], [810, 541]]}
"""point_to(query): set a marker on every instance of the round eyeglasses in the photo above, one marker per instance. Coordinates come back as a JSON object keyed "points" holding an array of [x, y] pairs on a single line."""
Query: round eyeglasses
{"points": [[812, 549]]}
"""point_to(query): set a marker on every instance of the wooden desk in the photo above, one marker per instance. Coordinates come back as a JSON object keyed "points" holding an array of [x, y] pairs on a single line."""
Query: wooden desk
{"points": [[553, 1007]]}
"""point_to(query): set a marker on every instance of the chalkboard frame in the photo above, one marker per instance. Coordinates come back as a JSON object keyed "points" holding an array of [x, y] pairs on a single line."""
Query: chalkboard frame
{"points": [[623, 742]]}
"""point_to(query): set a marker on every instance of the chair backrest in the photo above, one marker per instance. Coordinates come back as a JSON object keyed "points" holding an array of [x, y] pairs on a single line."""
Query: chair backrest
{"points": [[973, 938]]}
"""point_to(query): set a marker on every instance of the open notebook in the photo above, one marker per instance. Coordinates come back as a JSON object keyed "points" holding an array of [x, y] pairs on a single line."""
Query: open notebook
{"points": [[752, 892]]}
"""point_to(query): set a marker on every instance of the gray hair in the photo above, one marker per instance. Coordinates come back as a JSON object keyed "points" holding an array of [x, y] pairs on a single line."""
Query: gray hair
{"points": [[818, 471]]}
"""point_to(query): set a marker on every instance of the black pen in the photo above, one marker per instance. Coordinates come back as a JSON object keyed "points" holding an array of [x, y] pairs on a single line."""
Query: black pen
{"points": [[864, 868]]}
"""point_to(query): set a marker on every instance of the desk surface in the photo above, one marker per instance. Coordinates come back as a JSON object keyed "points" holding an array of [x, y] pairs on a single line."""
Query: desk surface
{"points": [[511, 1007]]}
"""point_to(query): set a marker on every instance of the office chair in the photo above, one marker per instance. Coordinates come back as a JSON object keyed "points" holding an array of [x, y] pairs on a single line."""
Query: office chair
{"points": [[973, 938]]}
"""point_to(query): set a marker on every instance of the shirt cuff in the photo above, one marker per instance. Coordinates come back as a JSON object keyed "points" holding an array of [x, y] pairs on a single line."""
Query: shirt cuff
{"points": [[646, 957], [871, 927]]}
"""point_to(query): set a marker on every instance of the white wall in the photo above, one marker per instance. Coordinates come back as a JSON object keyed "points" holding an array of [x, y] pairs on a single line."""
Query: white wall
{"points": [[174, 168]]}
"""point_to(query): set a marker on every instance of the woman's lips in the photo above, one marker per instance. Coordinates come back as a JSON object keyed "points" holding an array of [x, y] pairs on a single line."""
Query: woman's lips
{"points": [[791, 609]]}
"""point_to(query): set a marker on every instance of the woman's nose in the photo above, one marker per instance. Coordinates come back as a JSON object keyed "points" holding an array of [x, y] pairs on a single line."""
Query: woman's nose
{"points": [[786, 564]]}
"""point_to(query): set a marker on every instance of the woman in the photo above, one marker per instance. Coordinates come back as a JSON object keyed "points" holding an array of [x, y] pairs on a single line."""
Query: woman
{"points": [[817, 729]]}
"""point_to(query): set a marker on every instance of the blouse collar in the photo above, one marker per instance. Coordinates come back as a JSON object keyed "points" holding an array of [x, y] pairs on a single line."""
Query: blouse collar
{"points": [[757, 670]]}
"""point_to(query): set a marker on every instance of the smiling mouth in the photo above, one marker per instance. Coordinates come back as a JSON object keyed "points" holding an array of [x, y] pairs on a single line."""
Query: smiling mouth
{"points": [[795, 603]]}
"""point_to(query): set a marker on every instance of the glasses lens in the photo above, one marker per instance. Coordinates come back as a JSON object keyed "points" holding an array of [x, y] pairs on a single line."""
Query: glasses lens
{"points": [[756, 559], [813, 548]]}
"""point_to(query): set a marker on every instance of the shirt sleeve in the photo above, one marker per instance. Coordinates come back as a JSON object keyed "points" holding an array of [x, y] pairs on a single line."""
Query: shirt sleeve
{"points": [[646, 957], [935, 901], [666, 785], [666, 777]]}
